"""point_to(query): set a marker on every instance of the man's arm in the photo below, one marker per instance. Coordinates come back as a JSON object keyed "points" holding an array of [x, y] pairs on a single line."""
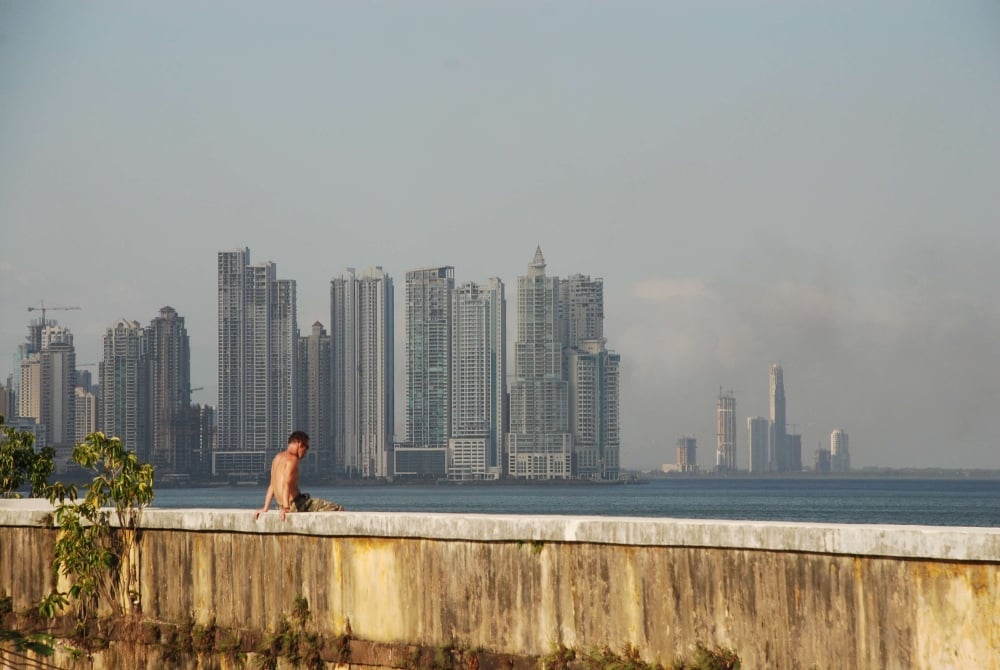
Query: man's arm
{"points": [[268, 497]]}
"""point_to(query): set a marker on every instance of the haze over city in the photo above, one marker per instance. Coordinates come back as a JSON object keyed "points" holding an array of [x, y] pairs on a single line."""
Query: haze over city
{"points": [[803, 184]]}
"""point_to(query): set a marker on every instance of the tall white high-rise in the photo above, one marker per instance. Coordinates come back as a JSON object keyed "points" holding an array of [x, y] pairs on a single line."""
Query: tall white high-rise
{"points": [[593, 375], [258, 338], [286, 373], [725, 411], [124, 374], [29, 373], [55, 394], [232, 288], [780, 458], [85, 409], [840, 455], [428, 355], [478, 381], [172, 428], [539, 444], [361, 331]]}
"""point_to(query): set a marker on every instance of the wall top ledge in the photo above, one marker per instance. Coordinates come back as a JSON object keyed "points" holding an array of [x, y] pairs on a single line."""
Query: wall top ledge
{"points": [[918, 542]]}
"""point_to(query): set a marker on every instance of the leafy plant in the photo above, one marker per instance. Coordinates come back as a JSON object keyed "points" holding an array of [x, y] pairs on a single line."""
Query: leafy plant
{"points": [[603, 658], [100, 560], [20, 463], [559, 658], [704, 658], [15, 646], [203, 637], [718, 658], [296, 643]]}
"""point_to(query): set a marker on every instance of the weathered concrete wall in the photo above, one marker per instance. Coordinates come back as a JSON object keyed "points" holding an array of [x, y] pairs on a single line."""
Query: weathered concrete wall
{"points": [[782, 595]]}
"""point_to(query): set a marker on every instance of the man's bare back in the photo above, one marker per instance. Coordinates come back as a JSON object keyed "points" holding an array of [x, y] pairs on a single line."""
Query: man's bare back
{"points": [[284, 486]]}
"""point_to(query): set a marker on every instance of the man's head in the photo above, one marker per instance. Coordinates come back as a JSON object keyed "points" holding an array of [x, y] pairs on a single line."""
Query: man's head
{"points": [[299, 440]]}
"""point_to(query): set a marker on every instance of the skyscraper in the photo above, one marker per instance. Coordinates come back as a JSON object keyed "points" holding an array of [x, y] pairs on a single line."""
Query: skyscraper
{"points": [[793, 452], [821, 462], [540, 445], [7, 398], [29, 373], [758, 438], [592, 373], [581, 310], [593, 376], [478, 381], [780, 461], [840, 455], [258, 339], [124, 374], [316, 403], [85, 409], [29, 389], [428, 355], [206, 442], [58, 384], [687, 454], [725, 411], [285, 374], [361, 331], [172, 427]]}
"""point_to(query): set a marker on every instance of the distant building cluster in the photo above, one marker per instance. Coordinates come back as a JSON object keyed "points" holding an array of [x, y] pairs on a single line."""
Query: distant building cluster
{"points": [[558, 418], [770, 447], [555, 416], [142, 394]]}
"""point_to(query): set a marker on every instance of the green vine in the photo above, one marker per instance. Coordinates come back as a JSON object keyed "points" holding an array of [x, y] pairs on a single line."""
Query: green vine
{"points": [[100, 560], [295, 642]]}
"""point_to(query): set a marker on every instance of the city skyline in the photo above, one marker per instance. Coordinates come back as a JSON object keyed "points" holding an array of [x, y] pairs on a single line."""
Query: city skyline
{"points": [[583, 300], [755, 182]]}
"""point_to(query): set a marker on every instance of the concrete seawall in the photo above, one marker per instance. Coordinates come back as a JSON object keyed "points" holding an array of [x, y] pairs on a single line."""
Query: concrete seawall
{"points": [[782, 595]]}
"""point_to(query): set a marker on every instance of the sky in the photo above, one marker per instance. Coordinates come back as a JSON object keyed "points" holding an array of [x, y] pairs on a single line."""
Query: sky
{"points": [[810, 183]]}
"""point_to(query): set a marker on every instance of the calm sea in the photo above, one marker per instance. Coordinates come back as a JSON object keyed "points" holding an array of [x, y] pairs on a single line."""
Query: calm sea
{"points": [[938, 502]]}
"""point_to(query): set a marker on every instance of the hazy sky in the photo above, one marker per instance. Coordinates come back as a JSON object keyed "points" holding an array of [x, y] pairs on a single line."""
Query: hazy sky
{"points": [[805, 182]]}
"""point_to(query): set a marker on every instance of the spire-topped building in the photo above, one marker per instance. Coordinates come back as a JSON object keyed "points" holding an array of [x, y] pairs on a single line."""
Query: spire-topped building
{"points": [[779, 451], [540, 445]]}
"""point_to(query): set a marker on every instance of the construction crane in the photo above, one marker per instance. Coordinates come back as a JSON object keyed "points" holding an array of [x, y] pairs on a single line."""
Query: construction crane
{"points": [[40, 307]]}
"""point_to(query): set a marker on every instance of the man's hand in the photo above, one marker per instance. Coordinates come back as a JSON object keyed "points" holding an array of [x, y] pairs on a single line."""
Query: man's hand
{"points": [[284, 511], [256, 515]]}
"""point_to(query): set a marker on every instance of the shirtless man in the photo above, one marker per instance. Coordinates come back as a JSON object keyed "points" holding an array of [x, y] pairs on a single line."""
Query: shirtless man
{"points": [[284, 487]]}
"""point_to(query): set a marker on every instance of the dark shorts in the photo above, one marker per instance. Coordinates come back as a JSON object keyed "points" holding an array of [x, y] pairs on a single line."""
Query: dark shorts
{"points": [[304, 502]]}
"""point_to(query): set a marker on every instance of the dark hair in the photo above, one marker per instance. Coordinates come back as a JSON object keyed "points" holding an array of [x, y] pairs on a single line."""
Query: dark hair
{"points": [[299, 436]]}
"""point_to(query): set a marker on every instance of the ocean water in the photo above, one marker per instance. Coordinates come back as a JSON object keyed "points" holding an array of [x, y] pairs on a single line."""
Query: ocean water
{"points": [[937, 502]]}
